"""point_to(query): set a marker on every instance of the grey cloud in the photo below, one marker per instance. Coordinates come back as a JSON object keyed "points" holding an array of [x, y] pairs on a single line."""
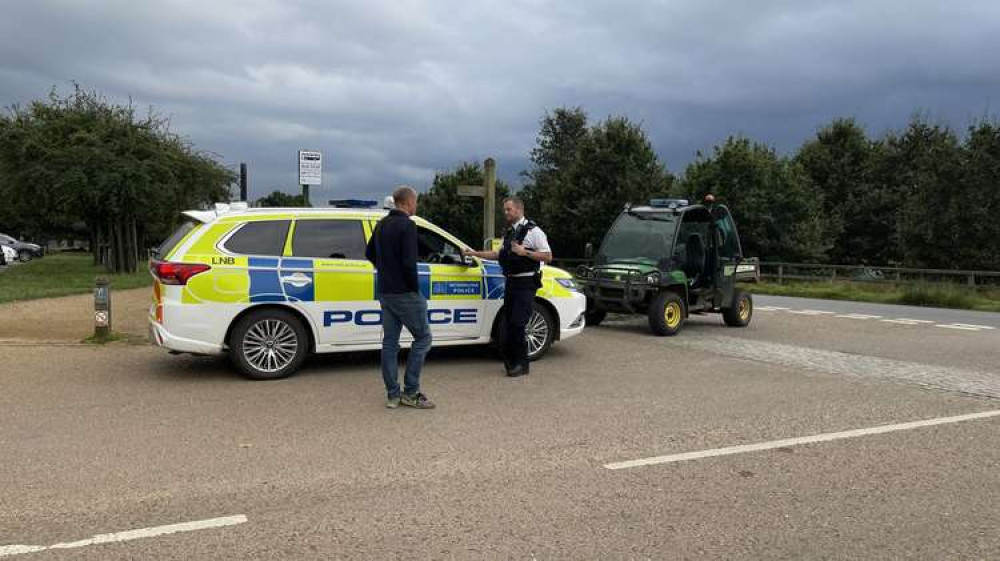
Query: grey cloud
{"points": [[394, 91]]}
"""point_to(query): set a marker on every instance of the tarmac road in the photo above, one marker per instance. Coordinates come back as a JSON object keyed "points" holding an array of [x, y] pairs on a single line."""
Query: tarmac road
{"points": [[104, 440]]}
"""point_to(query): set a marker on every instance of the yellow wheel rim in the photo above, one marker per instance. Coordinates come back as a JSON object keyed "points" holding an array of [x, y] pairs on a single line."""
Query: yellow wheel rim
{"points": [[672, 315], [744, 309]]}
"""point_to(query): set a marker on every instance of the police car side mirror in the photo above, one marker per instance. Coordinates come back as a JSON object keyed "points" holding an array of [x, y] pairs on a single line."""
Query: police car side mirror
{"points": [[588, 250]]}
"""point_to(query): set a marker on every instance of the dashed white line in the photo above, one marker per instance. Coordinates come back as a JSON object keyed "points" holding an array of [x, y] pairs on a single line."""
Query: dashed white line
{"points": [[902, 321], [811, 312], [128, 535], [825, 437], [962, 327], [984, 327], [770, 308], [859, 316]]}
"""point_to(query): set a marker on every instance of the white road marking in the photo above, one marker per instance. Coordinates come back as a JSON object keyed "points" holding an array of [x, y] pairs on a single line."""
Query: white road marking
{"points": [[974, 326], [901, 321], [917, 321], [129, 535], [770, 308], [825, 437], [960, 327], [859, 316], [811, 312]]}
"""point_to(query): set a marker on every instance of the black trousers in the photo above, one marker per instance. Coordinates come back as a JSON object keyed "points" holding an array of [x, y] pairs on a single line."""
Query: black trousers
{"points": [[519, 295]]}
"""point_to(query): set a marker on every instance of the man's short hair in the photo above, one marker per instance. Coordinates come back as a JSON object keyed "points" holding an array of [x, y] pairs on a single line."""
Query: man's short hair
{"points": [[403, 193], [516, 201]]}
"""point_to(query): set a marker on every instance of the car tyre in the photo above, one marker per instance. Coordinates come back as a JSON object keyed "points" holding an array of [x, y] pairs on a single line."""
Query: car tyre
{"points": [[741, 312], [24, 255], [268, 344], [541, 332], [667, 313], [595, 317]]}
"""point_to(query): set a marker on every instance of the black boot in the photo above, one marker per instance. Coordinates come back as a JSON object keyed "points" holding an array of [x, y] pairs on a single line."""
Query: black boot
{"points": [[519, 370]]}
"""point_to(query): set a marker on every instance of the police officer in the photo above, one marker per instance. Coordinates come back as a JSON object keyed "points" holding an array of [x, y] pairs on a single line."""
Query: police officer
{"points": [[524, 249]]}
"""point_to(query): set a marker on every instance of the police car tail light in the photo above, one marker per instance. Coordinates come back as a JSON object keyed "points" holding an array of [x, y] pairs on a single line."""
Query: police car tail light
{"points": [[176, 273]]}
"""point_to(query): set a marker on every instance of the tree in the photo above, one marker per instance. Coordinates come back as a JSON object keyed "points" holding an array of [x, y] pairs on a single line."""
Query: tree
{"points": [[281, 199], [581, 176], [777, 209], [553, 157], [920, 171], [840, 163], [82, 159], [976, 204], [462, 216]]}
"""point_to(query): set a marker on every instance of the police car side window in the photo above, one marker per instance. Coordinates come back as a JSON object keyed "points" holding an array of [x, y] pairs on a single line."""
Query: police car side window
{"points": [[434, 248], [331, 239], [259, 238]]}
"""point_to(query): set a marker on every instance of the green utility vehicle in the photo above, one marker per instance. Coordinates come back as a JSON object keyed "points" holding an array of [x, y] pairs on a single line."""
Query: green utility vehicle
{"points": [[668, 260]]}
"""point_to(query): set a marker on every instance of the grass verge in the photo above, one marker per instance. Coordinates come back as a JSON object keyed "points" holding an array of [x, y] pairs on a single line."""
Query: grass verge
{"points": [[61, 275], [936, 295]]}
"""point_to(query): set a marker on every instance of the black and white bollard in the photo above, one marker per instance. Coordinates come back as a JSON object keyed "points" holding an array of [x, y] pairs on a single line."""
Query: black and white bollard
{"points": [[102, 309]]}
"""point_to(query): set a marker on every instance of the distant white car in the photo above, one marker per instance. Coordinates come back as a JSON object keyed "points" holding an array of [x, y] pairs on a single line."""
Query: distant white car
{"points": [[7, 255]]}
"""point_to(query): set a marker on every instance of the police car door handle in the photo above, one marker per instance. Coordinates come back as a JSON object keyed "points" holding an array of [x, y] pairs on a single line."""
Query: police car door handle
{"points": [[297, 280]]}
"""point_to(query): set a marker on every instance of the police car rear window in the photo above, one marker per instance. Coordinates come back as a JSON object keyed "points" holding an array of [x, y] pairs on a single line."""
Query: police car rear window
{"points": [[171, 242], [336, 239], [259, 238]]}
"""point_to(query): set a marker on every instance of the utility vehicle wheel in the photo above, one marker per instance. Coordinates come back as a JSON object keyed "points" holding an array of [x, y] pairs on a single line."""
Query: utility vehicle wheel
{"points": [[741, 312], [595, 317], [666, 314]]}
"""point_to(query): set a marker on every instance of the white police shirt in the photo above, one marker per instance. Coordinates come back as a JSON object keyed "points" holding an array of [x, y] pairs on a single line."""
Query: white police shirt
{"points": [[534, 240]]}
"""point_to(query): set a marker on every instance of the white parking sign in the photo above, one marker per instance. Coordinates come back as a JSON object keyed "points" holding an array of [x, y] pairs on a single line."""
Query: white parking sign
{"points": [[310, 167]]}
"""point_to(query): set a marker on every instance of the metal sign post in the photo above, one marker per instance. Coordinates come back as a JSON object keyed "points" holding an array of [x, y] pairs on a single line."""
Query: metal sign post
{"points": [[310, 171]]}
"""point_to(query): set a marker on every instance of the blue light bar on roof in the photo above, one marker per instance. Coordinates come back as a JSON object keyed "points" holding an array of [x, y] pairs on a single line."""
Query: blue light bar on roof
{"points": [[668, 203], [352, 203]]}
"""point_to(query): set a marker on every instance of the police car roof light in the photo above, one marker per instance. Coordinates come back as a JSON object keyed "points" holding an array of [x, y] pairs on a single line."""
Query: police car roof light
{"points": [[668, 203], [352, 203]]}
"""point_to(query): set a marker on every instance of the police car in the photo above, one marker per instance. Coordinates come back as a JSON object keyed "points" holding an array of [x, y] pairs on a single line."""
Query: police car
{"points": [[270, 286]]}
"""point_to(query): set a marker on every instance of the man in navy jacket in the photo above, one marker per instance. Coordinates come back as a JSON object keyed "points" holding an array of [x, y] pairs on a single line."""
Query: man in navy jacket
{"points": [[393, 250]]}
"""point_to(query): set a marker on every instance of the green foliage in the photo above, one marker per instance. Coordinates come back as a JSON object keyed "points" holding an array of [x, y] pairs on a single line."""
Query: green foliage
{"points": [[281, 199], [778, 211], [462, 216], [124, 178], [582, 175], [840, 162]]}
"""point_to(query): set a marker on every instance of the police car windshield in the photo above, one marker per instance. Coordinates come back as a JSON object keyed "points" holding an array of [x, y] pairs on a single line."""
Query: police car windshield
{"points": [[637, 235]]}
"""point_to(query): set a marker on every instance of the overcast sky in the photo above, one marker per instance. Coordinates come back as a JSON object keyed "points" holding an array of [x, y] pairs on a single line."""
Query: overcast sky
{"points": [[393, 90]]}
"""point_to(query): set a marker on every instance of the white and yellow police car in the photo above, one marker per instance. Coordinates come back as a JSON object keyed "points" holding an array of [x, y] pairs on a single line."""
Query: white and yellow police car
{"points": [[270, 286]]}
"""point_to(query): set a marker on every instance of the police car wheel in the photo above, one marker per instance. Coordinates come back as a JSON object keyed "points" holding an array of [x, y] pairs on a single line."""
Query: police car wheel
{"points": [[24, 256], [268, 344], [541, 332]]}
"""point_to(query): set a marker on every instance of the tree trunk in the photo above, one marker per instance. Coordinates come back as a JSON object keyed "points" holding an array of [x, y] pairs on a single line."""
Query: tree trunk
{"points": [[95, 242]]}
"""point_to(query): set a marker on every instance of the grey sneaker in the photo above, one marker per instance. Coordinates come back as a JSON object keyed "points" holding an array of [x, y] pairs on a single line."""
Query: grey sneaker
{"points": [[392, 402], [417, 401]]}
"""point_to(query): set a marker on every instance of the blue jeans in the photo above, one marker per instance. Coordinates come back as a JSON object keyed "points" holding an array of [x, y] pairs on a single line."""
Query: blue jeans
{"points": [[399, 310]]}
